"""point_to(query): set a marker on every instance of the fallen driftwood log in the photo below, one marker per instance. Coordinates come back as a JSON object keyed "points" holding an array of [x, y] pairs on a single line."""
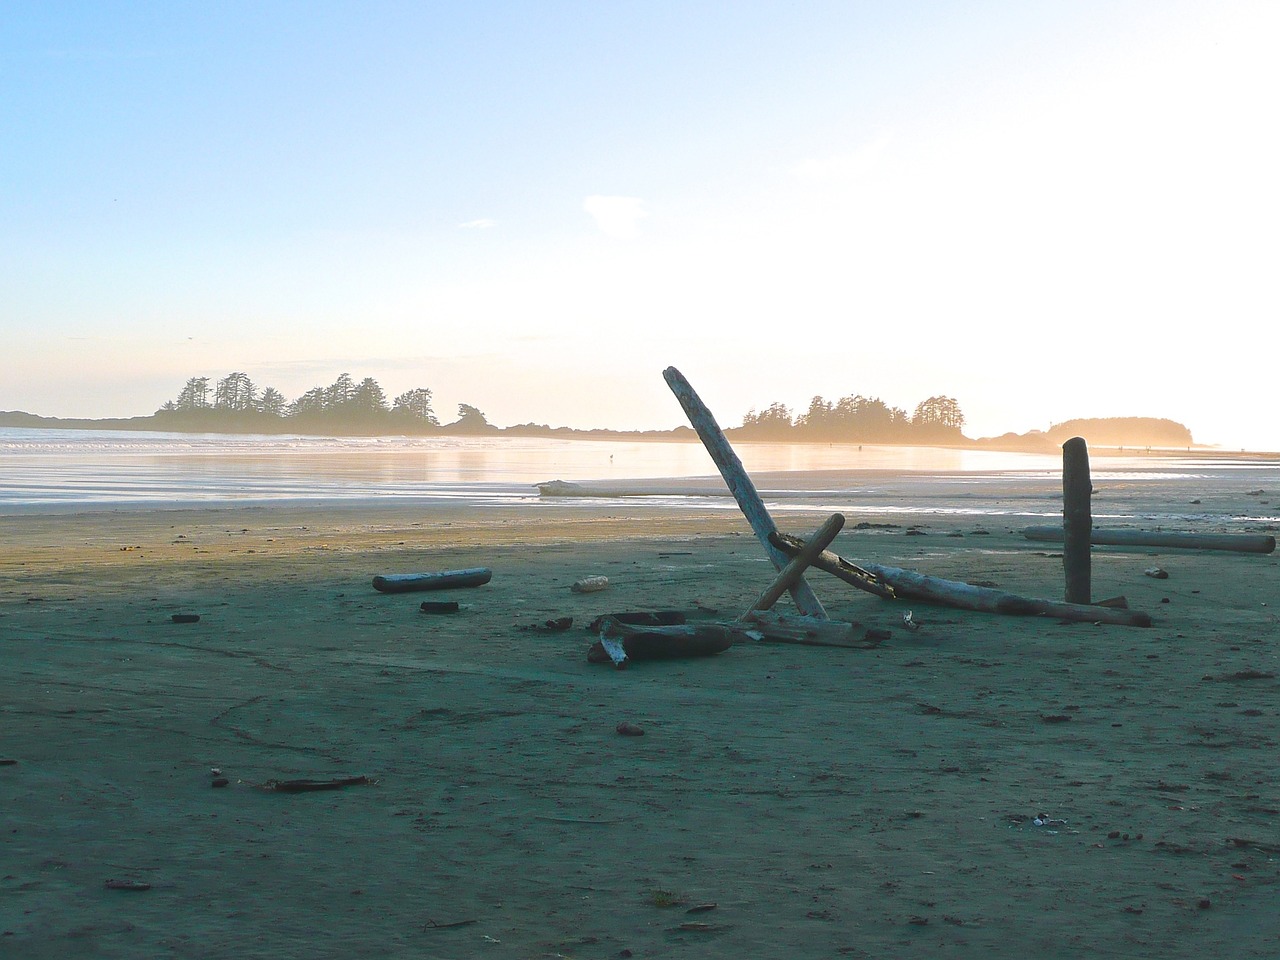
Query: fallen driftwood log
{"points": [[739, 484], [774, 627], [444, 580], [1239, 542], [910, 585], [620, 643]]}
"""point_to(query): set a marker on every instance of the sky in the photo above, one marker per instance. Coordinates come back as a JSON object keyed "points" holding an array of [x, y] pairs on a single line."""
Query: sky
{"points": [[1043, 209]]}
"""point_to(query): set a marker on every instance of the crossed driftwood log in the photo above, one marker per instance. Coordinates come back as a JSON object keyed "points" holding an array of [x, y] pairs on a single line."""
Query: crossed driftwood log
{"points": [[791, 556]]}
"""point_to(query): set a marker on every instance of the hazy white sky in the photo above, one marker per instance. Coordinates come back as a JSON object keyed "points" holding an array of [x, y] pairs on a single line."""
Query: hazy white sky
{"points": [[1045, 209]]}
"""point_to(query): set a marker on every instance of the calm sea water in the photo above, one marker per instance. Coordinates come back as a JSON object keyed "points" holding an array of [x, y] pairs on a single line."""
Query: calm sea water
{"points": [[81, 469]]}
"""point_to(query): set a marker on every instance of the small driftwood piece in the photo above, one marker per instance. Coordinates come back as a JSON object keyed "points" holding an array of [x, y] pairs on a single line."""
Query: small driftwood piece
{"points": [[835, 565], [310, 786], [802, 560], [739, 484], [1238, 542], [1077, 521], [621, 643], [444, 580], [774, 627], [908, 584]]}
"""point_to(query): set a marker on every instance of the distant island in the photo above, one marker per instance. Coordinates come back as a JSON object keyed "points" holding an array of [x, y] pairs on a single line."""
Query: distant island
{"points": [[348, 407]]}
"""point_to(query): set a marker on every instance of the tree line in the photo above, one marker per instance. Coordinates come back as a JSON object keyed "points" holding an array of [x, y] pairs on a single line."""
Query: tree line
{"points": [[345, 405], [858, 419], [236, 403]]}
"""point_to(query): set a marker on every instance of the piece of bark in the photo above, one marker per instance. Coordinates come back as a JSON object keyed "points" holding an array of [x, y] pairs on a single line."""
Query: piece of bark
{"points": [[739, 484], [1238, 542], [797, 565], [444, 580]]}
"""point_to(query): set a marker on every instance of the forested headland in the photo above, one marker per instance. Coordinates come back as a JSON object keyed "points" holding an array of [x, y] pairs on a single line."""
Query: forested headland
{"points": [[350, 407]]}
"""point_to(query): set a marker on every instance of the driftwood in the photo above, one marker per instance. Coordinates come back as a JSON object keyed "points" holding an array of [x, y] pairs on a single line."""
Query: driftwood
{"points": [[808, 631], [620, 643], [910, 585], [835, 565], [439, 606], [1077, 521], [311, 786], [803, 558], [1239, 542], [405, 582], [739, 483]]}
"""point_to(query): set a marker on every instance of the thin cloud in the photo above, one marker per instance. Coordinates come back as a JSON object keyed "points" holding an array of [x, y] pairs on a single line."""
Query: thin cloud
{"points": [[616, 217], [844, 166]]}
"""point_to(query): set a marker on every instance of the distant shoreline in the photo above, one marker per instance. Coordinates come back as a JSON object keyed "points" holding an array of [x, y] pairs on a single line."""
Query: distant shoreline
{"points": [[1018, 443]]}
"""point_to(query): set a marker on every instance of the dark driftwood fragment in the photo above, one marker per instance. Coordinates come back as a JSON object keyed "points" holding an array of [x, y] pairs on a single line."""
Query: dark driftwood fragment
{"points": [[1077, 520], [185, 618], [659, 643], [1238, 542], [450, 925], [439, 606], [405, 582], [309, 786], [135, 885], [739, 483]]}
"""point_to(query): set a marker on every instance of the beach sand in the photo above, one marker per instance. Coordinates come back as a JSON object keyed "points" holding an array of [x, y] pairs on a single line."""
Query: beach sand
{"points": [[827, 802]]}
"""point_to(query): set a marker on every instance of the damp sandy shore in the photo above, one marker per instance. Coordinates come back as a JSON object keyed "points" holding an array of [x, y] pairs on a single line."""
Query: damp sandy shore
{"points": [[783, 801]]}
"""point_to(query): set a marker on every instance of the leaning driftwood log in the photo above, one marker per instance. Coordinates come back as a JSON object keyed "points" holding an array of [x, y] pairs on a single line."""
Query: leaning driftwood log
{"points": [[775, 627], [910, 585], [1239, 542], [620, 643], [405, 582], [795, 569], [835, 565], [739, 483]]}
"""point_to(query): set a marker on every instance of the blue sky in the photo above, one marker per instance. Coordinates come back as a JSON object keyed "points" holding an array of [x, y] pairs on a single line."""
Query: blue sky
{"points": [[1043, 209]]}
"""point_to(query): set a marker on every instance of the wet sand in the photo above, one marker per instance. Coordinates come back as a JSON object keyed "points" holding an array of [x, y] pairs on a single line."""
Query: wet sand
{"points": [[783, 800]]}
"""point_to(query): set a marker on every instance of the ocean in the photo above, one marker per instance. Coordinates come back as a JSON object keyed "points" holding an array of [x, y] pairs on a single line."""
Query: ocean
{"points": [[73, 470]]}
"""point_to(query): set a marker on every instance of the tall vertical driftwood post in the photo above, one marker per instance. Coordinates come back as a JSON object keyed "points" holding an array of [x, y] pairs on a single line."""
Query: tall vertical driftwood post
{"points": [[1077, 520], [739, 484]]}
